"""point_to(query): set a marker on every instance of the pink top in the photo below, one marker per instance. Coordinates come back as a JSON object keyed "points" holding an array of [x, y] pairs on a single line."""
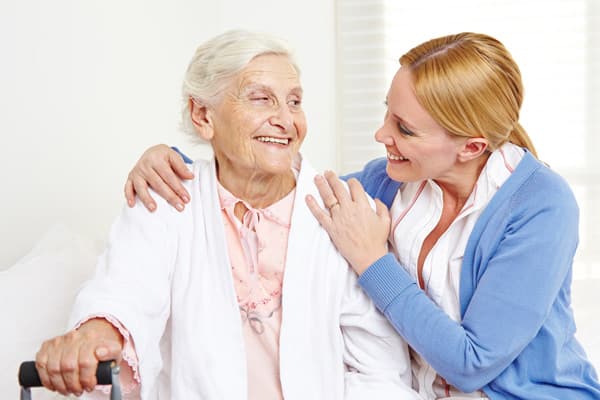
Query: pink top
{"points": [[257, 250]]}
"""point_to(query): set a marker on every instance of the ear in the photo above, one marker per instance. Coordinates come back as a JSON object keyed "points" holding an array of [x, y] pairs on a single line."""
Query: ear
{"points": [[201, 116], [472, 149]]}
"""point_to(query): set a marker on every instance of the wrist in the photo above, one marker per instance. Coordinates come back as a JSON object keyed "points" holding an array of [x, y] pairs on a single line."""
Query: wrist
{"points": [[102, 328], [360, 265]]}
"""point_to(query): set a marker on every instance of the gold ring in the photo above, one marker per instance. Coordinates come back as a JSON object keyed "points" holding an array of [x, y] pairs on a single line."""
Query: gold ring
{"points": [[337, 203]]}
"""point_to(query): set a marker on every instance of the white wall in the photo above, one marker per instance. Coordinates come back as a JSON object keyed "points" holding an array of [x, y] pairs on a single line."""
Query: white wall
{"points": [[86, 86]]}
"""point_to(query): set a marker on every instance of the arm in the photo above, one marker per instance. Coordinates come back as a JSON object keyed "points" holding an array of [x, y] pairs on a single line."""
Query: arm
{"points": [[133, 280], [161, 168], [129, 376], [509, 305], [517, 283], [131, 284]]}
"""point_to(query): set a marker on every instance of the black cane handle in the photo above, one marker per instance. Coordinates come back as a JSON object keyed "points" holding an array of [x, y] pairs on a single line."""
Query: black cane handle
{"points": [[29, 377]]}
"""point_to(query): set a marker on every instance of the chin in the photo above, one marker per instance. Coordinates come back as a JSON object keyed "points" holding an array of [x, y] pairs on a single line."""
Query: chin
{"points": [[393, 173], [400, 174], [277, 167]]}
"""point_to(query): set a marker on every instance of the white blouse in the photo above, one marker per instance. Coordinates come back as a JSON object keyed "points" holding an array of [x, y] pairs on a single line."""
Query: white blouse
{"points": [[415, 212]]}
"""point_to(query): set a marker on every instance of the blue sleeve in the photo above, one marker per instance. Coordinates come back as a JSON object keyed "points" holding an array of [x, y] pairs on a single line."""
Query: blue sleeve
{"points": [[518, 279], [186, 159]]}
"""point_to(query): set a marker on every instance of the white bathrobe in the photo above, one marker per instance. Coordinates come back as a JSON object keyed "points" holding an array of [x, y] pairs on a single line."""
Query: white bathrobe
{"points": [[167, 278]]}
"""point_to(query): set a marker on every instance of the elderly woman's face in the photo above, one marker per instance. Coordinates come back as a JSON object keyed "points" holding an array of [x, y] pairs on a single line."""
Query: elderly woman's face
{"points": [[259, 125]]}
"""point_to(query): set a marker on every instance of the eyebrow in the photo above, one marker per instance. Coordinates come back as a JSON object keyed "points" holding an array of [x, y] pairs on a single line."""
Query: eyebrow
{"points": [[258, 86], [398, 118], [406, 123]]}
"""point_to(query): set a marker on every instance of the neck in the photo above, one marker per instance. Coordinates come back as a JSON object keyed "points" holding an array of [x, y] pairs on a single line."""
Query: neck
{"points": [[258, 189], [458, 185]]}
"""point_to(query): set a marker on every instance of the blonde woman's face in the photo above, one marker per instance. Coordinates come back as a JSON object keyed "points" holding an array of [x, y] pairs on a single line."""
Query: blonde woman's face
{"points": [[417, 146], [260, 124]]}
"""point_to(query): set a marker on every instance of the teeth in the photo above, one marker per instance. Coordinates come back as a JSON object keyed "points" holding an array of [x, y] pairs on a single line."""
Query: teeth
{"points": [[273, 140], [395, 157]]}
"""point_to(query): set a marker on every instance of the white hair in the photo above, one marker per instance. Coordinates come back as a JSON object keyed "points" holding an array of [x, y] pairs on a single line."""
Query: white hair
{"points": [[219, 60]]}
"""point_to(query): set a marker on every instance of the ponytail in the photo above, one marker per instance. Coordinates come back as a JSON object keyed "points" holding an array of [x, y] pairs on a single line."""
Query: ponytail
{"points": [[520, 137]]}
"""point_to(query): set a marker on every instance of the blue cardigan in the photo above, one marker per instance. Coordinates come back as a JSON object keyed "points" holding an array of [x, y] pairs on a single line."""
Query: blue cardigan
{"points": [[516, 338]]}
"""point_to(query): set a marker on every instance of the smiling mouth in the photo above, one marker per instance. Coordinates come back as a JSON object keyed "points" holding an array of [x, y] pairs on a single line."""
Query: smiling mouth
{"points": [[393, 157], [270, 139]]}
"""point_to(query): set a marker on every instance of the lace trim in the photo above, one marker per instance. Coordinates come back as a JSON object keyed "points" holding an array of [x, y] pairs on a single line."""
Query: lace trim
{"points": [[128, 354]]}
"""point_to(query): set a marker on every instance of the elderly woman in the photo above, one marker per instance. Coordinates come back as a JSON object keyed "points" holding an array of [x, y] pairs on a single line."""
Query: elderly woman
{"points": [[229, 299]]}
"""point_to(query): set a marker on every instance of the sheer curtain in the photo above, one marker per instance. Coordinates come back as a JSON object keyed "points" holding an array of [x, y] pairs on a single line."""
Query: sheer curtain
{"points": [[557, 45]]}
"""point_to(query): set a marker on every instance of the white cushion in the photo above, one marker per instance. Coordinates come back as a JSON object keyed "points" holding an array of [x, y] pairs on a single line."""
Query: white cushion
{"points": [[36, 295]]}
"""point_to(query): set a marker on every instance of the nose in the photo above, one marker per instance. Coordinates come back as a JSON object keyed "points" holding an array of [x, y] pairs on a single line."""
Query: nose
{"points": [[282, 117], [383, 135]]}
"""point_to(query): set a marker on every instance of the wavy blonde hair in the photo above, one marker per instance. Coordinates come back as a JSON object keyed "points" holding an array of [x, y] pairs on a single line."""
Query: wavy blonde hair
{"points": [[470, 84]]}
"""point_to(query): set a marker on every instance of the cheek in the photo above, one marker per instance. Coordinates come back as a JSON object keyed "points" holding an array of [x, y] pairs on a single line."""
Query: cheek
{"points": [[248, 125], [442, 155], [300, 124]]}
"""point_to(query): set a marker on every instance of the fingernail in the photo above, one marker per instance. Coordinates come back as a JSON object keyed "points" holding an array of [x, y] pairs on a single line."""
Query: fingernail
{"points": [[185, 199], [179, 207], [152, 206], [101, 352]]}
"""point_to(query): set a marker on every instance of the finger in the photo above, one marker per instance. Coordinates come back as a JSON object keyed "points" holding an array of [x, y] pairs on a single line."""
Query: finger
{"points": [[41, 361], [325, 191], [108, 350], [338, 187], [141, 189], [384, 214], [171, 187], [90, 354], [357, 192], [69, 366], [129, 192], [320, 214], [53, 367], [382, 210], [164, 190], [179, 166], [88, 363]]}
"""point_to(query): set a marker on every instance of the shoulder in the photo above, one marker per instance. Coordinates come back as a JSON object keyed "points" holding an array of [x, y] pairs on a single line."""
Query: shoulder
{"points": [[534, 197], [373, 171], [540, 186], [165, 213]]}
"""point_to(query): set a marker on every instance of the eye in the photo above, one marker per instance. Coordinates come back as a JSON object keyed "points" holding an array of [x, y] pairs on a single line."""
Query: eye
{"points": [[295, 102], [259, 98], [405, 130]]}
